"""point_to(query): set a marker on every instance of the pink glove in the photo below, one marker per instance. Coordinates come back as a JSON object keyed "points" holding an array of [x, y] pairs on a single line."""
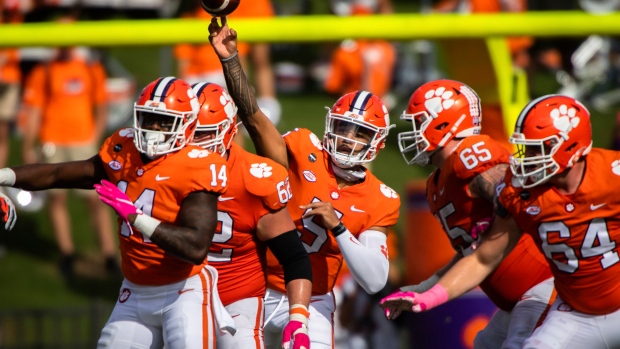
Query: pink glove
{"points": [[8, 212], [398, 301], [295, 333], [480, 227], [119, 201]]}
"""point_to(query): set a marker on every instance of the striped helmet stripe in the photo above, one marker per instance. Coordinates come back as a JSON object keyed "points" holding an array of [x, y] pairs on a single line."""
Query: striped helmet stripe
{"points": [[199, 87], [359, 102], [526, 111], [162, 88]]}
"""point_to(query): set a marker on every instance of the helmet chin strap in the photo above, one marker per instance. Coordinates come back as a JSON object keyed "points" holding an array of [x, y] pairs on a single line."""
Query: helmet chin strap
{"points": [[348, 174]]}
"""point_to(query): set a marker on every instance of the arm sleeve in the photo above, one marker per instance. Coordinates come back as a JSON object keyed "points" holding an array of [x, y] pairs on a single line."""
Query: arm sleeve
{"points": [[366, 258]]}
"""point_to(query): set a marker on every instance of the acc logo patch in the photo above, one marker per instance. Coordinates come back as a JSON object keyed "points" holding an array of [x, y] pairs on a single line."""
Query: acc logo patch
{"points": [[261, 170], [309, 176], [532, 210], [115, 165]]}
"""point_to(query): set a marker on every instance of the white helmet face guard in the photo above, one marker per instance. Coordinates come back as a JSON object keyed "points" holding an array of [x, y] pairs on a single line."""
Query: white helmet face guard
{"points": [[531, 171], [153, 142], [213, 136], [337, 131], [413, 145]]}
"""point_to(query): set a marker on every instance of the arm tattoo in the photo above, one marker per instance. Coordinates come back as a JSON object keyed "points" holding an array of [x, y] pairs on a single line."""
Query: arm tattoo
{"points": [[484, 183], [239, 87]]}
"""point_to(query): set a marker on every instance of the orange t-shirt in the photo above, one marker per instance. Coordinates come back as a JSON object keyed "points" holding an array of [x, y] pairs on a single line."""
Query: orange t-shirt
{"points": [[361, 65], [201, 57], [578, 233], [360, 207], [9, 71], [181, 173], [67, 93], [449, 200], [254, 190]]}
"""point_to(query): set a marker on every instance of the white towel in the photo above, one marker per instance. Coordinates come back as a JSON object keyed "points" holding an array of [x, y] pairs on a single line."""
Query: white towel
{"points": [[223, 321]]}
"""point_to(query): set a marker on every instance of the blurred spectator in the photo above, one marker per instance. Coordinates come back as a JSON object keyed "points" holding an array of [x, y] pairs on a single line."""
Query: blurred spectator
{"points": [[362, 64], [66, 117], [199, 62], [359, 323], [10, 78]]}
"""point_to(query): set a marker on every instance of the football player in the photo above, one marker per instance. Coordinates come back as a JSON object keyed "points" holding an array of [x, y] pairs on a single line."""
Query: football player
{"points": [[446, 120], [251, 214], [339, 207], [165, 193], [556, 191]]}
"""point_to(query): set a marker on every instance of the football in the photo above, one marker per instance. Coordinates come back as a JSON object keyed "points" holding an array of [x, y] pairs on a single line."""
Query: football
{"points": [[219, 8]]}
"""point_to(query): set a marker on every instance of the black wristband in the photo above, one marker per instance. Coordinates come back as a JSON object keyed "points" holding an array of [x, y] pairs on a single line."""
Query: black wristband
{"points": [[339, 229]]}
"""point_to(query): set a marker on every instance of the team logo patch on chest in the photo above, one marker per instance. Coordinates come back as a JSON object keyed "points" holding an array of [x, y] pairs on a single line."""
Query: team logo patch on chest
{"points": [[570, 207], [115, 165], [140, 172], [309, 176], [334, 195]]}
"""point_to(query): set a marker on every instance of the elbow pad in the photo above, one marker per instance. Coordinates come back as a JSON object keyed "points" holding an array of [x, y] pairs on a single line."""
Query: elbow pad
{"points": [[292, 256]]}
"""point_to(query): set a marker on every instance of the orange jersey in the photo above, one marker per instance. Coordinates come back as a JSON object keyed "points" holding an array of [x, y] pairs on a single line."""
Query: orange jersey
{"points": [[158, 189], [361, 65], [67, 93], [201, 58], [257, 187], [360, 207], [458, 212], [578, 233], [9, 71]]}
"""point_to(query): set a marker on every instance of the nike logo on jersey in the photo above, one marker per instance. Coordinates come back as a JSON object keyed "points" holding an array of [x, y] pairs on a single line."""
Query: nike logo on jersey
{"points": [[187, 290], [221, 198], [160, 178], [596, 207], [441, 191], [356, 209]]}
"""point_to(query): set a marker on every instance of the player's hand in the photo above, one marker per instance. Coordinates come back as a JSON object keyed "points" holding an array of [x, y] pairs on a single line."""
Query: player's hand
{"points": [[480, 227], [295, 336], [324, 211], [295, 333], [400, 301], [115, 198], [222, 38], [9, 216]]}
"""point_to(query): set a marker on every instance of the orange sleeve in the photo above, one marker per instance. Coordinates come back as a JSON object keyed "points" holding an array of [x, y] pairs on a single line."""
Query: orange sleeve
{"points": [[34, 89], [99, 81]]}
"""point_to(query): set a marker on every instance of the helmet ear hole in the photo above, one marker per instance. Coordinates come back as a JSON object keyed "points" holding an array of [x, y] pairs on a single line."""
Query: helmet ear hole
{"points": [[441, 126]]}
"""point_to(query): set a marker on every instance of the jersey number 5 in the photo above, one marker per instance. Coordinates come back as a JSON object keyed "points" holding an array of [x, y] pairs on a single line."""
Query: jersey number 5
{"points": [[313, 236]]}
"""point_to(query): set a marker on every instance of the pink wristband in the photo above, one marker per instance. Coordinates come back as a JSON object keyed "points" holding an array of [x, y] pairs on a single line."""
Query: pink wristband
{"points": [[437, 295]]}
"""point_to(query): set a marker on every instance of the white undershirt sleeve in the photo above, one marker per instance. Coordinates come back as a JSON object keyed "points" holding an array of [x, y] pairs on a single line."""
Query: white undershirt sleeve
{"points": [[366, 260]]}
